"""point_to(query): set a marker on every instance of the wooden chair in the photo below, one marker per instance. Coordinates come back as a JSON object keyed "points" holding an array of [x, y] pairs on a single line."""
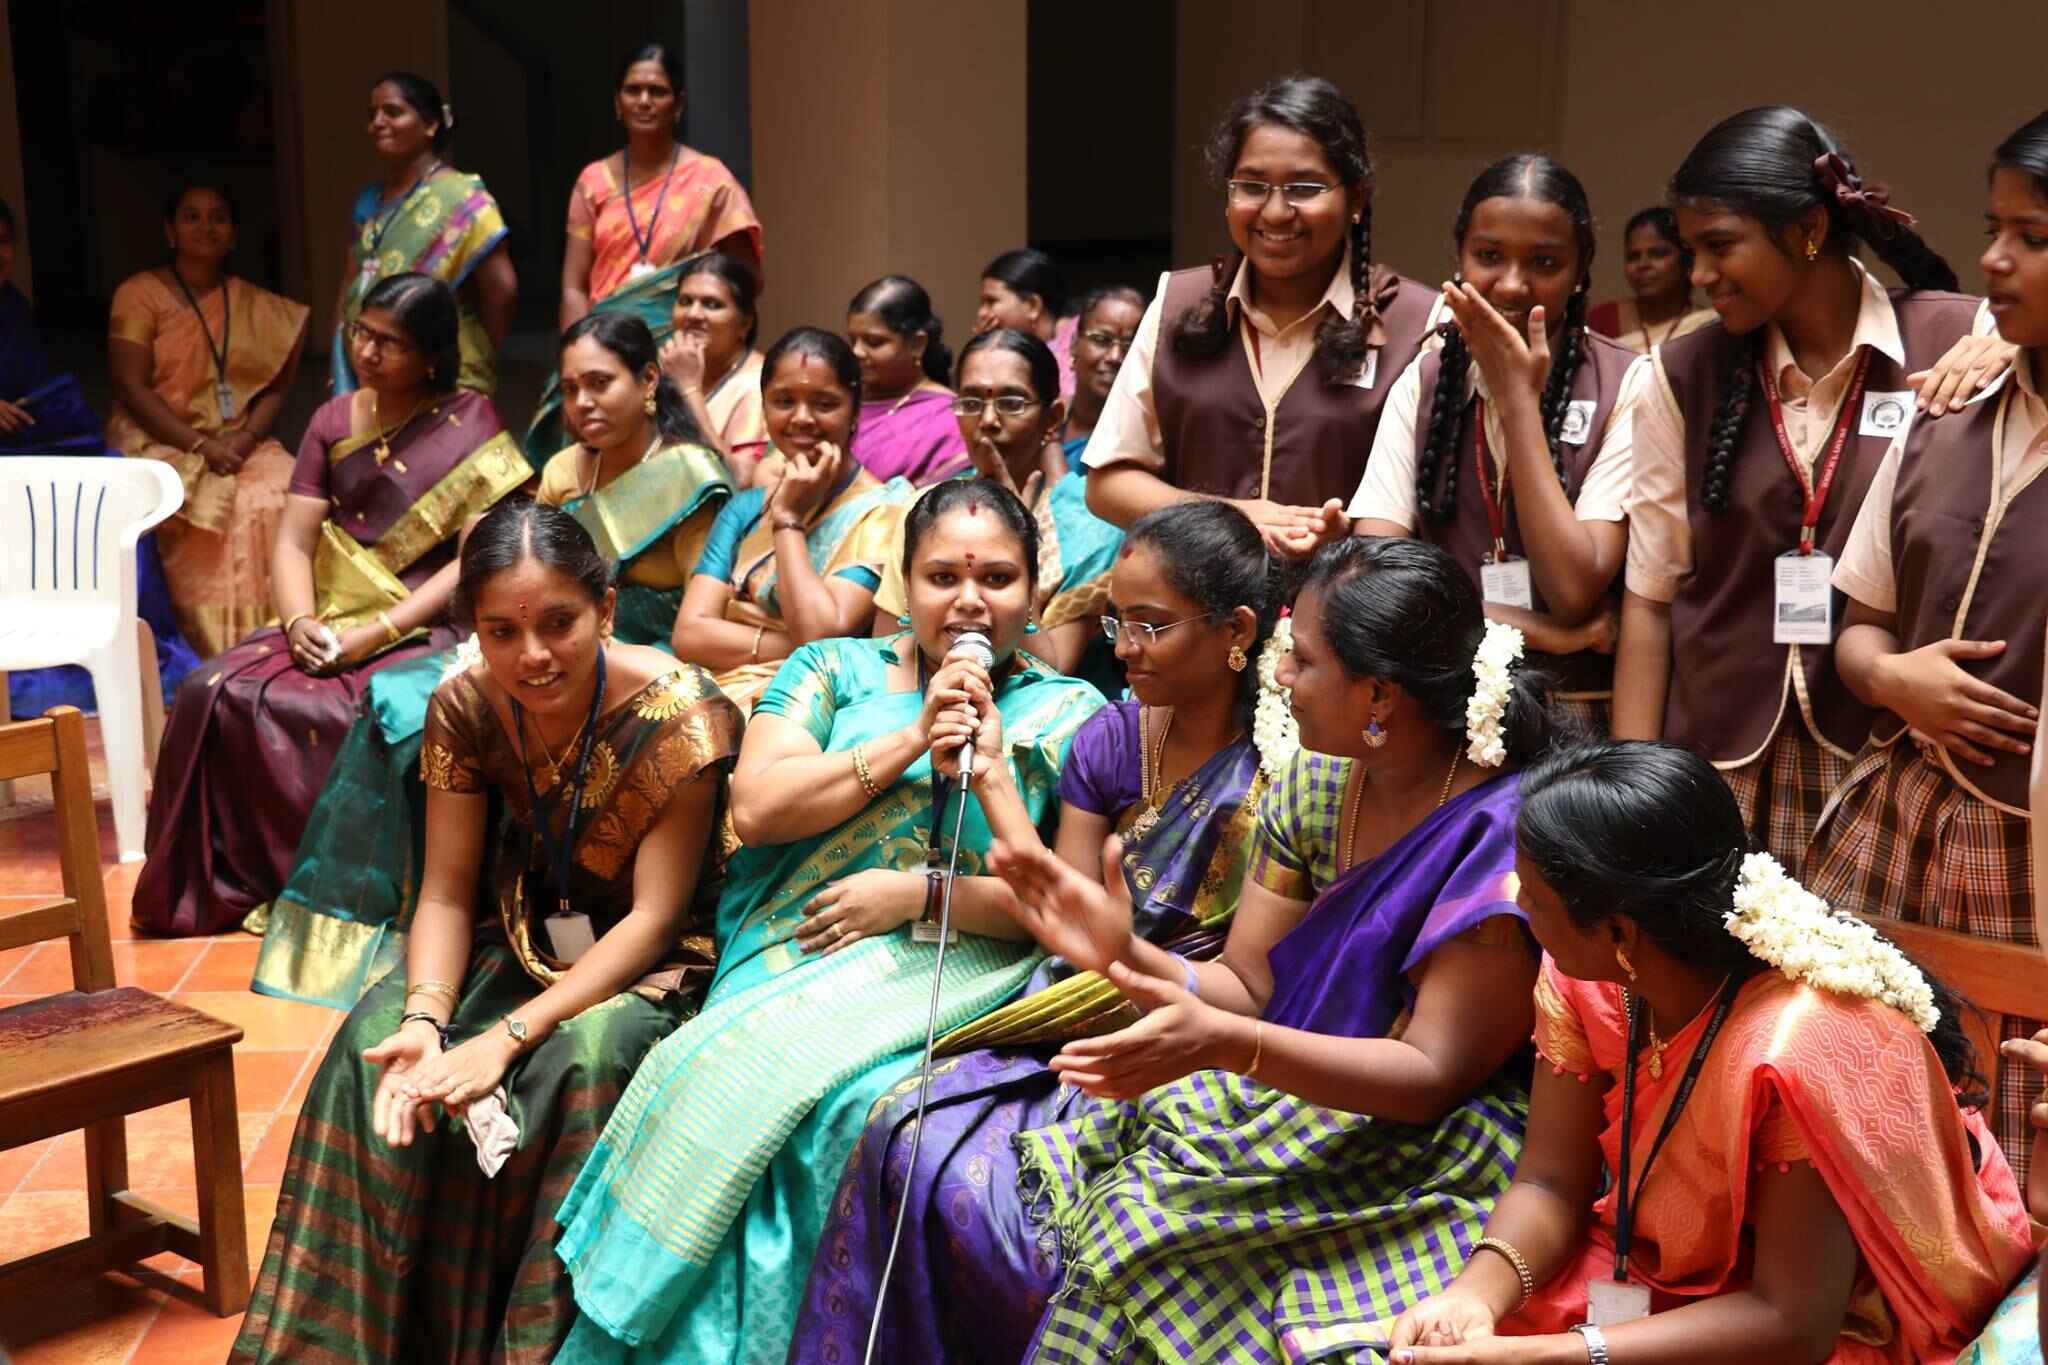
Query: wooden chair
{"points": [[1996, 980], [88, 1057]]}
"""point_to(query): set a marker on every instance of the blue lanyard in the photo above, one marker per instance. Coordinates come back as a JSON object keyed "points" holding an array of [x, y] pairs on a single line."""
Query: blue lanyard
{"points": [[558, 855], [645, 244], [384, 223]]}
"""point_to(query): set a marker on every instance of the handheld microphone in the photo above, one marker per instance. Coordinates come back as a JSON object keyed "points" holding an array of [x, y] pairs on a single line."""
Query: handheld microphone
{"points": [[971, 644]]}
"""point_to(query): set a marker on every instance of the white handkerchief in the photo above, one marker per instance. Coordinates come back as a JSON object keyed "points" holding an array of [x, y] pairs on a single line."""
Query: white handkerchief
{"points": [[492, 1132]]}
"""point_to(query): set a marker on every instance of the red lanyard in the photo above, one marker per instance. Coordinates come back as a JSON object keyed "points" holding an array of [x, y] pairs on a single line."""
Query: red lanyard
{"points": [[1816, 493], [1496, 508]]}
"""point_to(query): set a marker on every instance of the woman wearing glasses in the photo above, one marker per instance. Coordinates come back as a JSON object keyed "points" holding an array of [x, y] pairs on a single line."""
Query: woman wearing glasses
{"points": [[1109, 324], [365, 562], [1174, 774], [1262, 381], [797, 557], [1010, 411]]}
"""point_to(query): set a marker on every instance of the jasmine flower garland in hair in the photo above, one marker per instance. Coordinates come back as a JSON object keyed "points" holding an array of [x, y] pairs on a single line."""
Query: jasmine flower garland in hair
{"points": [[1274, 731], [1499, 650], [470, 651], [1784, 924]]}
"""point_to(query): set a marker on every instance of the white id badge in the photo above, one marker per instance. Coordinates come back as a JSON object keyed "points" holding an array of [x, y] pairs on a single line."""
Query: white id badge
{"points": [[1578, 421], [1804, 611], [1609, 1303], [224, 395], [1507, 583], [1885, 414], [639, 270], [927, 931], [1368, 372], [571, 936]]}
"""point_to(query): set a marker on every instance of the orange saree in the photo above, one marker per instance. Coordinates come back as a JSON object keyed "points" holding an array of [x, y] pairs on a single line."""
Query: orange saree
{"points": [[1798, 1074], [693, 210]]}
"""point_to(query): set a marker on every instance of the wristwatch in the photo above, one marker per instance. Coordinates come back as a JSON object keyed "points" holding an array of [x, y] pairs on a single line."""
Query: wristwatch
{"points": [[516, 1026], [1596, 1343]]}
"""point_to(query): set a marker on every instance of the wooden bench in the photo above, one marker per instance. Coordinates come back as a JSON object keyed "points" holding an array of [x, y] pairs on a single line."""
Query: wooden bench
{"points": [[88, 1057]]}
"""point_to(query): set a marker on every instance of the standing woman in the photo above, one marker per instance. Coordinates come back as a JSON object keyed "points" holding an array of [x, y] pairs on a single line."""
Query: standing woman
{"points": [[1945, 578], [680, 202], [797, 560], [386, 480], [906, 416], [646, 489], [391, 1244], [1540, 524], [712, 358], [425, 217], [1658, 266], [1261, 380], [1109, 319], [201, 362], [1025, 289], [1754, 447]]}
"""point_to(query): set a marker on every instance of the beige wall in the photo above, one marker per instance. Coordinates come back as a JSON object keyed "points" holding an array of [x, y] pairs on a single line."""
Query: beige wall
{"points": [[888, 136], [325, 57], [1618, 90]]}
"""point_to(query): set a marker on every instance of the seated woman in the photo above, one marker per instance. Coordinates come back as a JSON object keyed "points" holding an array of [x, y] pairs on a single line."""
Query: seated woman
{"points": [[906, 415], [689, 1232], [1658, 267], [43, 411], [1024, 288], [1821, 1194], [1323, 1114], [201, 362], [395, 1239], [365, 561], [798, 559], [646, 489], [712, 358], [1175, 774], [1108, 324], [1009, 413]]}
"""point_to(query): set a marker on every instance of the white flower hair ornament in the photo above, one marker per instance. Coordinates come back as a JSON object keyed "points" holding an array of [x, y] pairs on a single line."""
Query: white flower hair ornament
{"points": [[1274, 730], [467, 654], [1789, 927], [1500, 649]]}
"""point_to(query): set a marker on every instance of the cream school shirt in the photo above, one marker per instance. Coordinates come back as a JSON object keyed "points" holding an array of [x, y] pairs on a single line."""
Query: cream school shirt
{"points": [[1387, 490], [1865, 571]]}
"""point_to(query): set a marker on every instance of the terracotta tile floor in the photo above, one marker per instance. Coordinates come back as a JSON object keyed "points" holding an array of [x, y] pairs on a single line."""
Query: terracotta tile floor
{"points": [[154, 1315]]}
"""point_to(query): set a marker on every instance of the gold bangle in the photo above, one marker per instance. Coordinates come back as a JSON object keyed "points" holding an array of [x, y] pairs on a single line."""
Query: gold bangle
{"points": [[1513, 1258], [294, 620], [754, 654], [203, 439], [390, 626], [1258, 1047], [440, 988], [863, 772]]}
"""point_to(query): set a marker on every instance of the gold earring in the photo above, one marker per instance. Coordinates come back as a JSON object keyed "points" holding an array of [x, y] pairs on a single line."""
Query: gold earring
{"points": [[1375, 734], [1621, 959], [650, 404], [1812, 252], [1237, 659]]}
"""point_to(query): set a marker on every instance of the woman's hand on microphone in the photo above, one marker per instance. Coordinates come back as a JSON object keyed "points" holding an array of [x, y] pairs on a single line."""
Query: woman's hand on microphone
{"points": [[949, 689], [980, 723]]}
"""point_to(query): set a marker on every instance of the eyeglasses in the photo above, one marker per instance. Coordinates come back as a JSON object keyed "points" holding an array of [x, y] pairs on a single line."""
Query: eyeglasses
{"points": [[1009, 405], [1249, 192], [1142, 634], [1110, 341], [370, 338]]}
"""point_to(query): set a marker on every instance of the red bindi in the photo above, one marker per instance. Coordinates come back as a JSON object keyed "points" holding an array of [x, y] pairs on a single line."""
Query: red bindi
{"points": [[1125, 553], [973, 509], [803, 364], [970, 559]]}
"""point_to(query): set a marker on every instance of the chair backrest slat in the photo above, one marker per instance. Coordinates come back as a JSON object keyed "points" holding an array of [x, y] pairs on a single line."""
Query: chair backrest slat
{"points": [[56, 745], [64, 520]]}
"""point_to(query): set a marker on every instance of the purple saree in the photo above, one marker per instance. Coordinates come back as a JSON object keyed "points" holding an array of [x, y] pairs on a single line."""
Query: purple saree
{"points": [[915, 437], [1106, 1245], [250, 739]]}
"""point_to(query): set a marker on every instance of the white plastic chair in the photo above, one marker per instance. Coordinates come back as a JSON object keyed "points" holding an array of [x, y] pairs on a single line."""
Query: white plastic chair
{"points": [[68, 529]]}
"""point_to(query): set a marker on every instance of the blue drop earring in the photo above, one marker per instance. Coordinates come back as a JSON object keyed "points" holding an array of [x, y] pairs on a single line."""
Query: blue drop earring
{"points": [[1031, 627], [904, 621]]}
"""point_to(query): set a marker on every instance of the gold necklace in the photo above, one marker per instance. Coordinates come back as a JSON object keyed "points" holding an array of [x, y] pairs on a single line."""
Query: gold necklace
{"points": [[1657, 1045], [1153, 773], [383, 450], [911, 393], [1350, 849]]}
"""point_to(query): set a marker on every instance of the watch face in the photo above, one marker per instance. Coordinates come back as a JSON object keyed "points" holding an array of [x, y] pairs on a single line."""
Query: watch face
{"points": [[516, 1027]]}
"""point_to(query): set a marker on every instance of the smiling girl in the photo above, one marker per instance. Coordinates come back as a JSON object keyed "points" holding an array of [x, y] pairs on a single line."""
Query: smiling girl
{"points": [[1754, 449], [1946, 579], [1519, 464]]}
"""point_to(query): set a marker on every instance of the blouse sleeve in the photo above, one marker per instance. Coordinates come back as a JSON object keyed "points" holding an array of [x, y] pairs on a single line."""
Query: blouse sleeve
{"points": [[310, 471], [582, 213], [722, 543], [1865, 571], [1101, 774], [1278, 856], [1659, 531], [133, 316], [1387, 490], [448, 751], [1777, 1140], [1603, 494], [802, 691], [1128, 430], [1560, 1030]]}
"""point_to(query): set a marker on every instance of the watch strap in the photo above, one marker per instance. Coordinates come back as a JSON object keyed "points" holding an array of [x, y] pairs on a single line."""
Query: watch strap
{"points": [[1596, 1343]]}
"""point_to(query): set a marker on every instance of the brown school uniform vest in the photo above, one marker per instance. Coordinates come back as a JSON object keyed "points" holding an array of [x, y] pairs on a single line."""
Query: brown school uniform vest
{"points": [[1941, 510], [1728, 681], [1467, 535], [1213, 424]]}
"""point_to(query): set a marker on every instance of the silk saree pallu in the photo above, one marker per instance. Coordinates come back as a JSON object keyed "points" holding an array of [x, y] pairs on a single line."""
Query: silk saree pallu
{"points": [[650, 298], [250, 722], [651, 522], [694, 207]]}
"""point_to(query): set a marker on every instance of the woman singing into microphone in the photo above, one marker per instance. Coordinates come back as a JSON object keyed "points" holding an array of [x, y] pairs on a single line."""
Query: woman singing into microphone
{"points": [[693, 1224]]}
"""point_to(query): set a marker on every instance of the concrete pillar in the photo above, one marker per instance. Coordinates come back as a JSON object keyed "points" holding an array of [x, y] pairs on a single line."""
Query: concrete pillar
{"points": [[888, 135]]}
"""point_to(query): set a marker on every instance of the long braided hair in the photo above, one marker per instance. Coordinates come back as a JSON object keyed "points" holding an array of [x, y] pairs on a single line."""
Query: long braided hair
{"points": [[1762, 163], [1316, 109], [1529, 175]]}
